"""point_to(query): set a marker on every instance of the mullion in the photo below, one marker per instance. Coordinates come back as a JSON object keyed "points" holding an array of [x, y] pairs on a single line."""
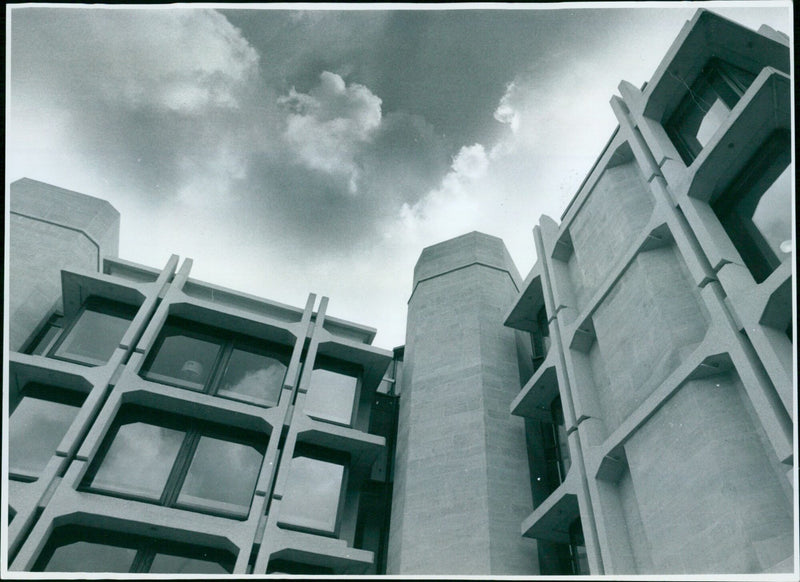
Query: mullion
{"points": [[220, 366], [180, 468], [143, 560]]}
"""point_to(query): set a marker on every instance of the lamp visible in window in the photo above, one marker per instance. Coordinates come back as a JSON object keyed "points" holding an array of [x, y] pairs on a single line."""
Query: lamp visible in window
{"points": [[214, 361]]}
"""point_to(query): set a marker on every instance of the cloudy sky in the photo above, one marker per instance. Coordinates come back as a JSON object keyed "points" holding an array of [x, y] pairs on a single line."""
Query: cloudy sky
{"points": [[290, 152]]}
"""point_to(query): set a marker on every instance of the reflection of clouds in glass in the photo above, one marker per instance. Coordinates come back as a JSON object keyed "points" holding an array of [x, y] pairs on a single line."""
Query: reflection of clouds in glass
{"points": [[89, 557], [331, 396], [312, 494], [223, 471], [139, 460], [254, 375], [773, 215], [37, 426]]}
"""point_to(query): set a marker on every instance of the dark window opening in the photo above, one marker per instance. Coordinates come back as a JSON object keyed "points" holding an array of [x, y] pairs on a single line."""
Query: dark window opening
{"points": [[83, 549], [281, 566], [195, 357], [180, 462], [756, 210], [705, 107], [540, 338], [38, 421], [556, 446], [94, 333]]}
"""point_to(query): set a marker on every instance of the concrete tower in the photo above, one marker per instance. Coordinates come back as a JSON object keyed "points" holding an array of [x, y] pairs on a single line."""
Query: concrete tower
{"points": [[460, 485]]}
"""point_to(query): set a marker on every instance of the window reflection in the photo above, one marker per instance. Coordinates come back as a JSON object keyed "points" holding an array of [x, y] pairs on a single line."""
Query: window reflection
{"points": [[331, 396], [253, 377], [151, 449], [178, 461], [215, 361], [96, 334], [222, 476], [313, 494], [37, 426]]}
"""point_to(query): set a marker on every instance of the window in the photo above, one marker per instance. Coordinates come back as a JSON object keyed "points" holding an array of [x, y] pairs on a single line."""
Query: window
{"points": [[314, 492], [332, 394], [95, 333], [81, 549], [195, 357], [556, 446], [706, 106], [756, 211], [180, 462], [38, 422]]}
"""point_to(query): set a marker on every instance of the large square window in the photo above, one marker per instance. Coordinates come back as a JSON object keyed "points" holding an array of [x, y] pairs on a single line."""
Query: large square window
{"points": [[95, 333], [179, 462], [38, 422], [314, 491], [332, 394], [756, 210], [82, 549], [193, 356], [705, 107]]}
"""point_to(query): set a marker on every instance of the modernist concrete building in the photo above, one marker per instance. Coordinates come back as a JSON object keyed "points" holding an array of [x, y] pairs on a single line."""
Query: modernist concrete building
{"points": [[627, 408]]}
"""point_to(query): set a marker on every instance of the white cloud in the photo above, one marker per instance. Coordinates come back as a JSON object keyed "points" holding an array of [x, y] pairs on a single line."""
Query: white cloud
{"points": [[327, 126]]}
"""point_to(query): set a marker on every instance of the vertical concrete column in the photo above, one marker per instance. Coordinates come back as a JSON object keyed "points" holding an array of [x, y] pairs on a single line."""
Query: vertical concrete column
{"points": [[461, 482], [51, 229]]}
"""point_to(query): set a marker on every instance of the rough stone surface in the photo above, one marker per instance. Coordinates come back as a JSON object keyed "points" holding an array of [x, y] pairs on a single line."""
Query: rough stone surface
{"points": [[45, 238], [461, 483]]}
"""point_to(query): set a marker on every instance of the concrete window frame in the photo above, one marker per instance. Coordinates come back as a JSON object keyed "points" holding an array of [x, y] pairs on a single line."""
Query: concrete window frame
{"points": [[193, 430], [145, 548], [718, 80], [229, 343], [735, 206]]}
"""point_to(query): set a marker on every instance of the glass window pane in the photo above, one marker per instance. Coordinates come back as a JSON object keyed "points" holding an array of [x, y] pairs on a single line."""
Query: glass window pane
{"points": [[171, 564], [312, 494], [221, 477], [37, 427], [331, 396], [94, 337], [253, 377], [90, 557], [183, 360], [713, 119], [139, 460], [773, 215]]}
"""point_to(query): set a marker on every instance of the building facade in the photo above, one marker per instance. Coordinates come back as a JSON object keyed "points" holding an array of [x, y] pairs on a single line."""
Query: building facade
{"points": [[627, 408]]}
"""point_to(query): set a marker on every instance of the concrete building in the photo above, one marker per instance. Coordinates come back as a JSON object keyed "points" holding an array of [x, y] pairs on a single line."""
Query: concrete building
{"points": [[627, 408]]}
